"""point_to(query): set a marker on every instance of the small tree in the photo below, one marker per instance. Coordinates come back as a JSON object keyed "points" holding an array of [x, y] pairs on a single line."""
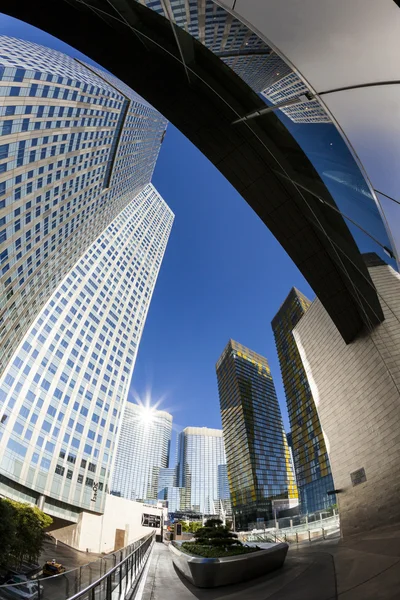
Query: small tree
{"points": [[194, 526], [7, 531], [26, 531], [216, 534], [185, 526]]}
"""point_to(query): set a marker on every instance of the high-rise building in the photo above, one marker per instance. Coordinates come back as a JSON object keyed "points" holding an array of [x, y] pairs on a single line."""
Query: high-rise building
{"points": [[63, 392], [82, 234], [227, 37], [224, 496], [201, 452], [76, 146], [356, 388], [166, 479], [143, 449], [313, 472], [259, 471], [288, 86], [244, 52]]}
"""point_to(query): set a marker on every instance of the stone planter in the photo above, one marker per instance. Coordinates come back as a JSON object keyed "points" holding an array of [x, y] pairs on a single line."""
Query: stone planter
{"points": [[213, 572]]}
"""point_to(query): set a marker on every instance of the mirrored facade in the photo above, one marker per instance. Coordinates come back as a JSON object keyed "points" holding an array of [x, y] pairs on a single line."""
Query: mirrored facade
{"points": [[259, 470], [201, 453], [311, 460], [301, 112], [142, 451]]}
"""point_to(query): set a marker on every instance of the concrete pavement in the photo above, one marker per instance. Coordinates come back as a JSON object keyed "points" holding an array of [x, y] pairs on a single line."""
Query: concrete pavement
{"points": [[364, 567]]}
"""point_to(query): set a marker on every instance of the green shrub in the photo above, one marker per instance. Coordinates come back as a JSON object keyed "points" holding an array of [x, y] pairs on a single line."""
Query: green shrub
{"points": [[212, 551], [215, 534]]}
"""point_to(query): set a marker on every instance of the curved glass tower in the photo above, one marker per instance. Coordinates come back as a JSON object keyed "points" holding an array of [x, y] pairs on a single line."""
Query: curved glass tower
{"points": [[311, 460], [142, 451], [201, 455], [259, 468]]}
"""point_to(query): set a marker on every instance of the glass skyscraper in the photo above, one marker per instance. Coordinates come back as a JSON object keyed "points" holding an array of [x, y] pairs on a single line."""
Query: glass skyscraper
{"points": [[82, 240], [227, 37], [76, 146], [311, 461], [142, 451], [166, 479], [287, 86], [259, 470], [201, 453]]}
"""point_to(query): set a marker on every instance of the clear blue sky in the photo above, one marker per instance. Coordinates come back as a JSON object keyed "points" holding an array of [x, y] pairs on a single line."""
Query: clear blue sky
{"points": [[224, 275]]}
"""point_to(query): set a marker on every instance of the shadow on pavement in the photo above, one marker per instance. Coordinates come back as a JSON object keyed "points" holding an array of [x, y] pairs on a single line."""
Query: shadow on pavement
{"points": [[301, 578]]}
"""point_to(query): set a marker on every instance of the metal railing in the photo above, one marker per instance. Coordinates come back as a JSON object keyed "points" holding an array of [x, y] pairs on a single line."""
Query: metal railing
{"points": [[121, 579], [306, 528], [76, 582]]}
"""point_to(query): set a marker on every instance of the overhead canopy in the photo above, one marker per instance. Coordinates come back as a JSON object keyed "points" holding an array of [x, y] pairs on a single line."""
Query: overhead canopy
{"points": [[202, 97]]}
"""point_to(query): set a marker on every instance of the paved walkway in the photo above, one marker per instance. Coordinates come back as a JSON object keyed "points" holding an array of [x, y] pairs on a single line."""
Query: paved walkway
{"points": [[365, 567]]}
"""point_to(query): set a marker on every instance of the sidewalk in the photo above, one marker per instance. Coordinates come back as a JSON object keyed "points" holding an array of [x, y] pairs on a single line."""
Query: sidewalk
{"points": [[365, 567]]}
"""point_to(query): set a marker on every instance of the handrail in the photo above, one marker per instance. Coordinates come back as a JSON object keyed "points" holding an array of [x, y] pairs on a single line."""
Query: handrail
{"points": [[109, 573]]}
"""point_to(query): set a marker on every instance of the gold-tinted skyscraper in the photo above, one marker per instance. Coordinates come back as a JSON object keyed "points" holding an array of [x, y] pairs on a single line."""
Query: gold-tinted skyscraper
{"points": [[314, 478], [259, 471]]}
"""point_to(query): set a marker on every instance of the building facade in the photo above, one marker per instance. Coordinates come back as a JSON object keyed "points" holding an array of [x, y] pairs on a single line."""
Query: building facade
{"points": [[82, 235], [143, 449], [244, 52], [258, 459], [76, 147], [356, 391], [166, 480], [64, 390], [227, 37], [200, 454], [311, 460], [224, 496], [288, 86]]}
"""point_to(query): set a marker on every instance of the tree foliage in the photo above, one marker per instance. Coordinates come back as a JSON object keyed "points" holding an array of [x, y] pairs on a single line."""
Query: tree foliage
{"points": [[195, 526], [215, 534], [22, 532]]}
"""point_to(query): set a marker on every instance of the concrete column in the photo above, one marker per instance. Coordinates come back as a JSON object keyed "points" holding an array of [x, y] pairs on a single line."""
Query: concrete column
{"points": [[40, 501]]}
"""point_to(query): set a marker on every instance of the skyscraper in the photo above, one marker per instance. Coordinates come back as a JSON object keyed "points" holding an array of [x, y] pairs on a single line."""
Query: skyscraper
{"points": [[244, 52], [313, 472], [227, 37], [77, 145], [166, 479], [83, 240], [356, 388], [224, 496], [287, 86], [259, 471], [142, 450], [201, 453], [63, 391]]}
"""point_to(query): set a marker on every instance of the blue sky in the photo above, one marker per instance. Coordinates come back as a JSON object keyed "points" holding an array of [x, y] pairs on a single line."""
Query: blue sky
{"points": [[224, 275]]}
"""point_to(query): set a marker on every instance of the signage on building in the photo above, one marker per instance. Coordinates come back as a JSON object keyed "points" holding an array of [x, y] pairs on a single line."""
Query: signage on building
{"points": [[153, 521], [358, 477], [94, 488]]}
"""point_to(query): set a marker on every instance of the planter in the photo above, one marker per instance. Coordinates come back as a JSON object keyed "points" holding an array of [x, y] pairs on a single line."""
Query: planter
{"points": [[213, 572]]}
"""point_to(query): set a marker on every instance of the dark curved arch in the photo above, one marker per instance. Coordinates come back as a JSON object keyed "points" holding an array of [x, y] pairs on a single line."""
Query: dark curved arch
{"points": [[259, 158]]}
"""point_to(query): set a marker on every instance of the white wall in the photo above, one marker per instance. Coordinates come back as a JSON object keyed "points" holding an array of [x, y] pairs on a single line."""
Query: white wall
{"points": [[97, 532]]}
